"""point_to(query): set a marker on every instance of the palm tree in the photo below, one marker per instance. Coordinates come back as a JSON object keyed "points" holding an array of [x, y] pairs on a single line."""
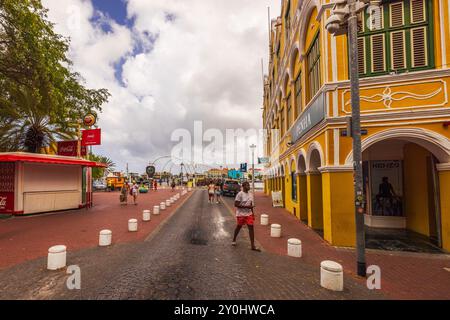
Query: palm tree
{"points": [[98, 173], [28, 126]]}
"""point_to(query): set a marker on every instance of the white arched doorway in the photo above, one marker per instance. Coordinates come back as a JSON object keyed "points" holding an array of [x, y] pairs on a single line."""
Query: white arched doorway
{"points": [[401, 184]]}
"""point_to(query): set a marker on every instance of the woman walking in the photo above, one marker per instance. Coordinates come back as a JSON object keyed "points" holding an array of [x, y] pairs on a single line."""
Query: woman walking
{"points": [[124, 194]]}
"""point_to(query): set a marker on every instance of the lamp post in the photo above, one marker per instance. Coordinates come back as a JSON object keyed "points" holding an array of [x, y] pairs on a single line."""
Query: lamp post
{"points": [[253, 146], [344, 19]]}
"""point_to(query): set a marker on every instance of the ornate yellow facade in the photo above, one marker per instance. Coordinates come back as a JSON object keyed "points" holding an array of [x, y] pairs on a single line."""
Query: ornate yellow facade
{"points": [[405, 116]]}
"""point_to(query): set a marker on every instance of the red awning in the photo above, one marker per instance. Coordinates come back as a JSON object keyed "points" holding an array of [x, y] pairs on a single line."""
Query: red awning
{"points": [[45, 158]]}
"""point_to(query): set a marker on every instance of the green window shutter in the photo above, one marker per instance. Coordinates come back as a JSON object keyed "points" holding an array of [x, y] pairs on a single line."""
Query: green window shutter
{"points": [[419, 47], [398, 50], [397, 16], [418, 13], [378, 47], [362, 55]]}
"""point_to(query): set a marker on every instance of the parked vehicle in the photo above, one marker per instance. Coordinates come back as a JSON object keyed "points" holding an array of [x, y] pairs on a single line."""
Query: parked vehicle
{"points": [[99, 185], [115, 183], [231, 188]]}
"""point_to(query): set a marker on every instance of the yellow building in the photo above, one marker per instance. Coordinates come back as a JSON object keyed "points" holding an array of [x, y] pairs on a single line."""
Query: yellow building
{"points": [[405, 117]]}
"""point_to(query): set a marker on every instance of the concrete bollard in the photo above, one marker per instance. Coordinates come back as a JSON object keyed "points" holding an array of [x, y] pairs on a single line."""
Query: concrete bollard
{"points": [[189, 189], [264, 219], [155, 210], [294, 248], [178, 196], [56, 258], [331, 275], [275, 230], [168, 204], [132, 225], [146, 216], [104, 238], [162, 206]]}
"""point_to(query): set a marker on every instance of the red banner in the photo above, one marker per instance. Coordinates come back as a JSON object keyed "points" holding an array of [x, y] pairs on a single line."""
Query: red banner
{"points": [[91, 137], [69, 148], [7, 178]]}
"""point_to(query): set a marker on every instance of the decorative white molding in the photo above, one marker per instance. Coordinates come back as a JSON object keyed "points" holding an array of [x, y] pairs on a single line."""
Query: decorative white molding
{"points": [[442, 31], [336, 136], [314, 146], [430, 140], [388, 96], [443, 166], [345, 168]]}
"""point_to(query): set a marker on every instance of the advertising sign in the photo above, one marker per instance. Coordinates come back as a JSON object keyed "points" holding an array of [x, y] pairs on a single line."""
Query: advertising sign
{"points": [[7, 177], [91, 137], [387, 188], [69, 148], [309, 118], [277, 199], [150, 170], [263, 160], [243, 167], [89, 120]]}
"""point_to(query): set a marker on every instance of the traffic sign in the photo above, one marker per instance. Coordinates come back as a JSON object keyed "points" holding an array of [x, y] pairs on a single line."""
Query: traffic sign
{"points": [[243, 167]]}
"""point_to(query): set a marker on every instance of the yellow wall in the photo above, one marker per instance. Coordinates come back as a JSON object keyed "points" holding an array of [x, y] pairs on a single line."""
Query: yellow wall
{"points": [[444, 180], [338, 213], [315, 215], [415, 189]]}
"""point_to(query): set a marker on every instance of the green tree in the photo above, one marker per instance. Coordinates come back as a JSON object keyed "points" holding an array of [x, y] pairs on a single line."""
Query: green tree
{"points": [[41, 98], [98, 173]]}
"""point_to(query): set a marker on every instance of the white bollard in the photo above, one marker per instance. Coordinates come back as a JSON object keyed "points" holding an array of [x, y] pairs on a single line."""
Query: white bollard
{"points": [[162, 206], [104, 238], [331, 275], [168, 203], [294, 248], [189, 189], [132, 225], [275, 231], [56, 258], [264, 219], [155, 210], [146, 215], [178, 196]]}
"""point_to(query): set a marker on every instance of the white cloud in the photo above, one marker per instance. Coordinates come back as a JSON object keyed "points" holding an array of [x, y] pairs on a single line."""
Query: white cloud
{"points": [[203, 65]]}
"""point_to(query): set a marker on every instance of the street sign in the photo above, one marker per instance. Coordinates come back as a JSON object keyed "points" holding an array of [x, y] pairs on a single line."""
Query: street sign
{"points": [[91, 137], [243, 167], [69, 148], [263, 160], [150, 170]]}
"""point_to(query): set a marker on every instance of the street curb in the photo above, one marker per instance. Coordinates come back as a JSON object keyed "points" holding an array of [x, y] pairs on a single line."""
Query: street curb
{"points": [[231, 211], [163, 223]]}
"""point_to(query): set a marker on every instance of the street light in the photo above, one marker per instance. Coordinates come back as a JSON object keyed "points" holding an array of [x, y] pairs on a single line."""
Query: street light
{"points": [[344, 19], [253, 146]]}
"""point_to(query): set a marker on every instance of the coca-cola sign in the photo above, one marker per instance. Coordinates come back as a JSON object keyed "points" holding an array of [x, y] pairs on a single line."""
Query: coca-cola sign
{"points": [[69, 148], [6, 202]]}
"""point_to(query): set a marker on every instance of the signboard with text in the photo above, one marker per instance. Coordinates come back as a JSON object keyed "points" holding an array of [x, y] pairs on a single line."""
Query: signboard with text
{"points": [[91, 137], [69, 148], [7, 179], [277, 199], [309, 118]]}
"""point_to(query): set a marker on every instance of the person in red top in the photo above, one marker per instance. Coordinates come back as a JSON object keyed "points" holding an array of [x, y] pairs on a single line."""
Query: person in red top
{"points": [[244, 214]]}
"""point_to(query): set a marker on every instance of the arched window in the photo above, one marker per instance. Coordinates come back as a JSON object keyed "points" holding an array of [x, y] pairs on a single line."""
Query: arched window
{"points": [[313, 61]]}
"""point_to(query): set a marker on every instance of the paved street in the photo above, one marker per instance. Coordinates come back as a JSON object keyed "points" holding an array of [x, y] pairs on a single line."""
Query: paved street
{"points": [[190, 257]]}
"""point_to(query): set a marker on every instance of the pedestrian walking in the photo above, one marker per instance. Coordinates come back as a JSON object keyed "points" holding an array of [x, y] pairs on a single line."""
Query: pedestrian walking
{"points": [[134, 192], [155, 185], [217, 192], [211, 190], [173, 185], [245, 215], [124, 194]]}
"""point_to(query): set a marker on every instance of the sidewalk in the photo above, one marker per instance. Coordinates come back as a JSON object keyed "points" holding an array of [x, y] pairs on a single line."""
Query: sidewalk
{"points": [[403, 275], [27, 238]]}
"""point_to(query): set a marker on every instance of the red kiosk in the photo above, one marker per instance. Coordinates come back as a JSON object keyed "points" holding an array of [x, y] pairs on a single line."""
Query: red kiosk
{"points": [[35, 183]]}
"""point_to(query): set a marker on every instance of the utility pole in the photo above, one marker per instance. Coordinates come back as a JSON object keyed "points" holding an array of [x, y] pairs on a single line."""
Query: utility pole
{"points": [[344, 18]]}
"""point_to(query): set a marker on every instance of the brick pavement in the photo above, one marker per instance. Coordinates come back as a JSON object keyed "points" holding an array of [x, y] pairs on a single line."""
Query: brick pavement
{"points": [[404, 275], [29, 237]]}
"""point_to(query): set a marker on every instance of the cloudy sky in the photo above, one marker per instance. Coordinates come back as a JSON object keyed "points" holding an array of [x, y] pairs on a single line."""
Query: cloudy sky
{"points": [[167, 63]]}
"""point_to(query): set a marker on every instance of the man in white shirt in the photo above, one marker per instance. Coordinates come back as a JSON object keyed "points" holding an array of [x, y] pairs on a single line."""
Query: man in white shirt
{"points": [[244, 214]]}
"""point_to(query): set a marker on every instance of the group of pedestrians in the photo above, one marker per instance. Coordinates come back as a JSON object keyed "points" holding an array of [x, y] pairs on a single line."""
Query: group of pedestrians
{"points": [[215, 191], [131, 189]]}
